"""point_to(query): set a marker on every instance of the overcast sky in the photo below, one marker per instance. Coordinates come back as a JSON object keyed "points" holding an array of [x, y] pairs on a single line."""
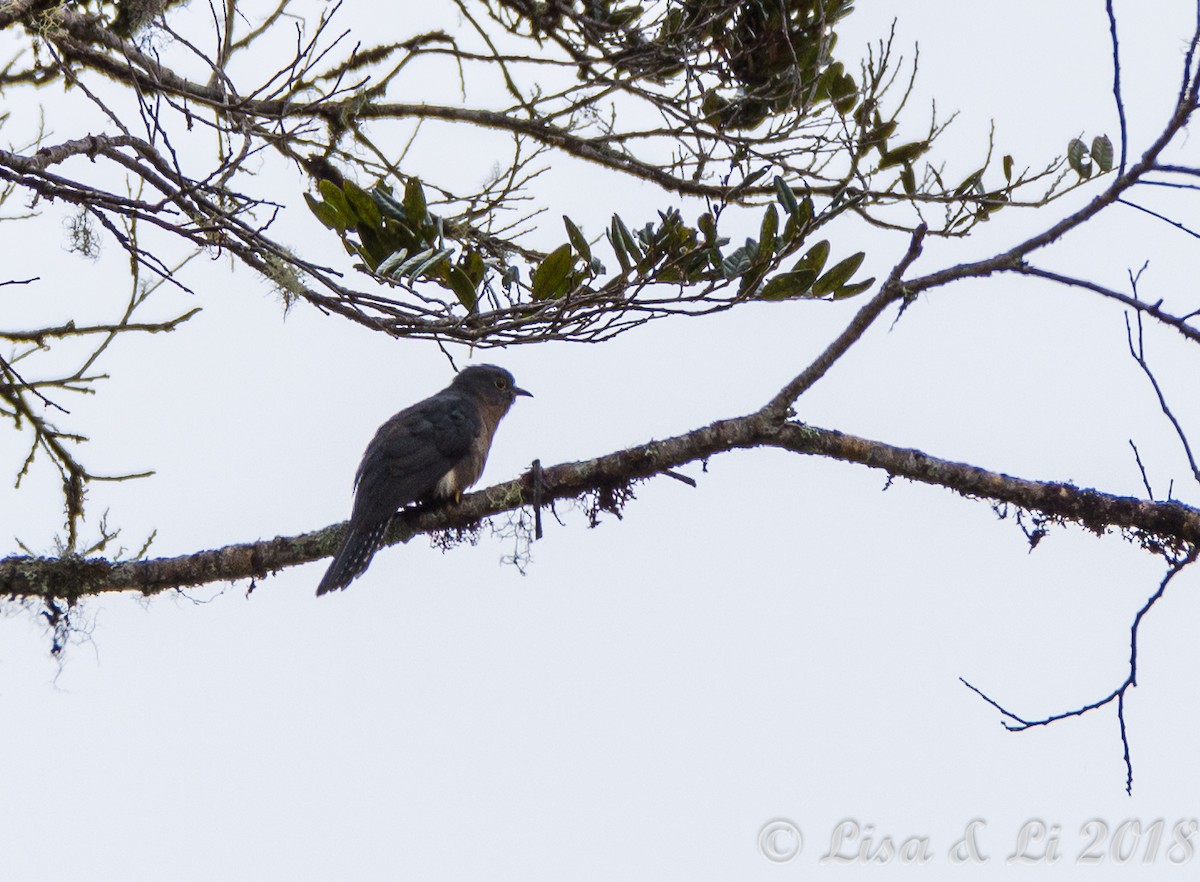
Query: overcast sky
{"points": [[782, 642]]}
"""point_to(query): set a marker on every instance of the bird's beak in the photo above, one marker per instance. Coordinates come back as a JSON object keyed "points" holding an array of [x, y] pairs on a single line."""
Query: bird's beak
{"points": [[517, 390]]}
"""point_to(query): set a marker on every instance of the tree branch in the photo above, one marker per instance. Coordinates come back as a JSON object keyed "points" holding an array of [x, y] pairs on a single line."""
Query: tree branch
{"points": [[607, 481], [1020, 724]]}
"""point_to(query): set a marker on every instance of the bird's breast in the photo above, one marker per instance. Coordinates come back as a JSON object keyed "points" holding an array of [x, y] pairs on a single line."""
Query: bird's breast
{"points": [[449, 485]]}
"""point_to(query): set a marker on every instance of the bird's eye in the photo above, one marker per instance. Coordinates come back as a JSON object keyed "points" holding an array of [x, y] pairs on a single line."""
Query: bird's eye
{"points": [[501, 383]]}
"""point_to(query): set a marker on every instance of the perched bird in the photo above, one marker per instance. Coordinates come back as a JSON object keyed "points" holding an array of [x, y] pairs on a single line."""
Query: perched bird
{"points": [[433, 450]]}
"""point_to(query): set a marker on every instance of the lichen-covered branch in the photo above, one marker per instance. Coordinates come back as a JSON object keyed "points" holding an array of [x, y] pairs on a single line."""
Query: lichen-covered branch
{"points": [[605, 481]]}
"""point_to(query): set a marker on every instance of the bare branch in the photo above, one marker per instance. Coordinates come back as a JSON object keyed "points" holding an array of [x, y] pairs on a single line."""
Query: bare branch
{"points": [[1020, 724]]}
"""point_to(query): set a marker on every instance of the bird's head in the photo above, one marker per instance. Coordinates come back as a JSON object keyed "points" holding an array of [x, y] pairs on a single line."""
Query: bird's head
{"points": [[489, 384]]}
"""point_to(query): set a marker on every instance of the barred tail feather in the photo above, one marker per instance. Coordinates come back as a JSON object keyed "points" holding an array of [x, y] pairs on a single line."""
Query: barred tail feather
{"points": [[353, 557]]}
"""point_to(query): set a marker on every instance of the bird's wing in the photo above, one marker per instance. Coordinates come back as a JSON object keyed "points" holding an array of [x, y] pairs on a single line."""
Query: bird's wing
{"points": [[411, 452]]}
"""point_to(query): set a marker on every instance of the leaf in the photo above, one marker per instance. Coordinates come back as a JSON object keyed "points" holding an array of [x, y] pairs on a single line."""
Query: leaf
{"points": [[807, 211], [973, 181], [826, 82], [786, 285], [335, 198], [1102, 152], [1079, 159], [422, 269], [414, 202], [382, 197], [881, 133], [474, 266], [739, 261], [578, 240], [404, 269], [903, 155], [362, 205], [1008, 167], [792, 237], [814, 259], [838, 275], [512, 275], [995, 201], [768, 231], [626, 237], [614, 239], [373, 244], [845, 94], [325, 213], [549, 279], [850, 290], [714, 106], [785, 196], [463, 288], [908, 180], [392, 261], [749, 179]]}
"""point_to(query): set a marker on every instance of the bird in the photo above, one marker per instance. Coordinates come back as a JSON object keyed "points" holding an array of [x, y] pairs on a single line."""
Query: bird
{"points": [[431, 451]]}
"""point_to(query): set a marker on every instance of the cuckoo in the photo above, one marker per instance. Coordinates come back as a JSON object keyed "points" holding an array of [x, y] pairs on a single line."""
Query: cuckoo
{"points": [[433, 450]]}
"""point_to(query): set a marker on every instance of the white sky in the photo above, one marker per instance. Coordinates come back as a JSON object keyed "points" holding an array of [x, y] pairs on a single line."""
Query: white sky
{"points": [[783, 641]]}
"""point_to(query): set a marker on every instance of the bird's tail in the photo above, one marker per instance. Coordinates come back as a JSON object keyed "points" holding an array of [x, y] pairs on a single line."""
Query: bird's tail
{"points": [[353, 557]]}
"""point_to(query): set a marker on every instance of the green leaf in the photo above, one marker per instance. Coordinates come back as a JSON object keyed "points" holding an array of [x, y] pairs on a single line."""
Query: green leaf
{"points": [[995, 201], [400, 235], [903, 155], [807, 211], [432, 259], [750, 282], [908, 180], [626, 237], [738, 262], [768, 231], [1079, 159], [880, 133], [973, 181], [336, 201], [550, 279], [787, 285], [1008, 167], [614, 239], [473, 265], [374, 244], [382, 197], [715, 108], [814, 259], [1102, 152], [792, 236], [750, 179], [785, 196], [333, 196], [325, 213], [838, 275], [362, 205], [850, 290], [845, 94], [392, 261], [406, 268], [578, 240], [463, 288], [827, 81], [414, 202], [353, 247]]}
